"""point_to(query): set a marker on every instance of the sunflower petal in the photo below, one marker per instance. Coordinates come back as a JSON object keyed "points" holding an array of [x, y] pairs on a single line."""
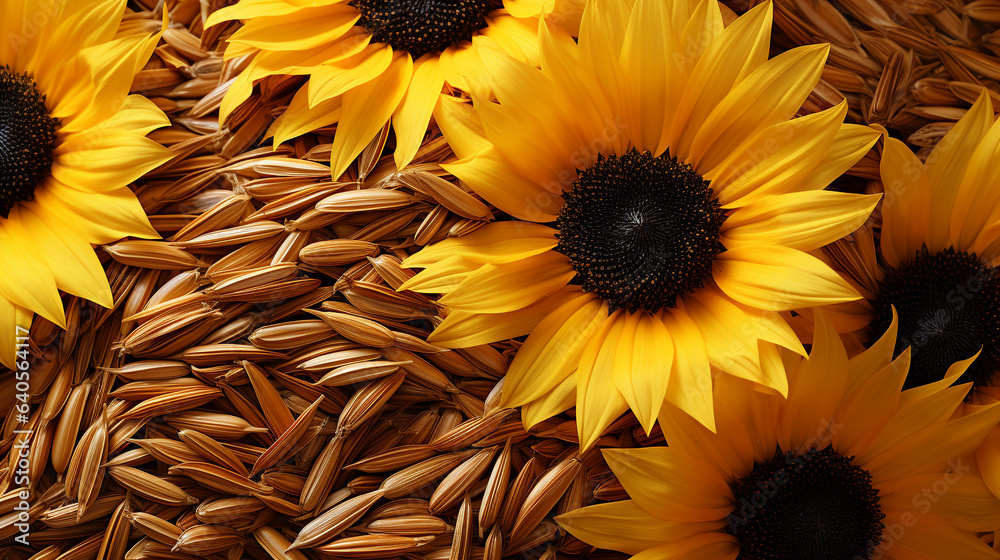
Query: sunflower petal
{"points": [[626, 527], [489, 175], [366, 109], [598, 402], [461, 329], [414, 113], [799, 220], [511, 286], [779, 279], [495, 243], [552, 350]]}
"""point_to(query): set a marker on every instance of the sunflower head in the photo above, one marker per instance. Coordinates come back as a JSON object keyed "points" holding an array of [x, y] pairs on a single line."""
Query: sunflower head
{"points": [[848, 467], [27, 138], [640, 231], [71, 140], [662, 206]]}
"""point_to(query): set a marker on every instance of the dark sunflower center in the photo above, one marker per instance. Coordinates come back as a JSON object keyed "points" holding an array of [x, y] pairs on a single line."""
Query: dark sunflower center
{"points": [[949, 307], [640, 230], [819, 506], [423, 26], [27, 138]]}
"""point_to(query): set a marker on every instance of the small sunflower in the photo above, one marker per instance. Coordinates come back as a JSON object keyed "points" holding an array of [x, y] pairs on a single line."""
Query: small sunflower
{"points": [[939, 245], [369, 61], [847, 468], [662, 206], [939, 248], [71, 140]]}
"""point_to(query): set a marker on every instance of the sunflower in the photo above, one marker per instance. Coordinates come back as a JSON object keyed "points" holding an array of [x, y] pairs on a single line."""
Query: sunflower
{"points": [[938, 248], [661, 206], [848, 467], [369, 61], [71, 140]]}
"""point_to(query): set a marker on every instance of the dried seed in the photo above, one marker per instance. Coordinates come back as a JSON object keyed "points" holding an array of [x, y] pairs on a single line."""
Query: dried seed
{"points": [[412, 478], [459, 481], [212, 450], [543, 497], [156, 255], [461, 544], [374, 546], [276, 544], [409, 525], [333, 521], [358, 329], [276, 414], [206, 539], [358, 373], [337, 252], [151, 486], [156, 528], [367, 200], [218, 478]]}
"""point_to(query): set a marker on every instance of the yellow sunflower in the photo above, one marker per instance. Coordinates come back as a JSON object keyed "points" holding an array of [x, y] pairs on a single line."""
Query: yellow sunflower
{"points": [[370, 61], [847, 468], [939, 247], [662, 206], [71, 140]]}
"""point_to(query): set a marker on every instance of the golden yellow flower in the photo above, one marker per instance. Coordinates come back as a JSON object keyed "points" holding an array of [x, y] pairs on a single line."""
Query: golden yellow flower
{"points": [[71, 140], [662, 209], [370, 61], [848, 467]]}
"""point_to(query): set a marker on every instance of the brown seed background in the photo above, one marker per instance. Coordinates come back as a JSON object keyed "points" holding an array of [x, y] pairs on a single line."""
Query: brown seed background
{"points": [[260, 390]]}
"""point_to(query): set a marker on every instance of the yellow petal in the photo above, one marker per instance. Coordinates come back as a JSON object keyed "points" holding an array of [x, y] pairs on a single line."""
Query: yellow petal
{"points": [[929, 539], [366, 109], [30, 284], [491, 177], [729, 333], [442, 276], [777, 159], [850, 144], [15, 322], [495, 243], [815, 389], [975, 198], [97, 218], [557, 398], [626, 527], [113, 66], [413, 114], [799, 220], [71, 260], [648, 71], [906, 209], [460, 125], [670, 485], [642, 373], [303, 29], [598, 402], [771, 94], [703, 546], [947, 164], [103, 160], [988, 458], [552, 351], [331, 80], [299, 118], [690, 385], [511, 286], [462, 329], [779, 279], [736, 52]]}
